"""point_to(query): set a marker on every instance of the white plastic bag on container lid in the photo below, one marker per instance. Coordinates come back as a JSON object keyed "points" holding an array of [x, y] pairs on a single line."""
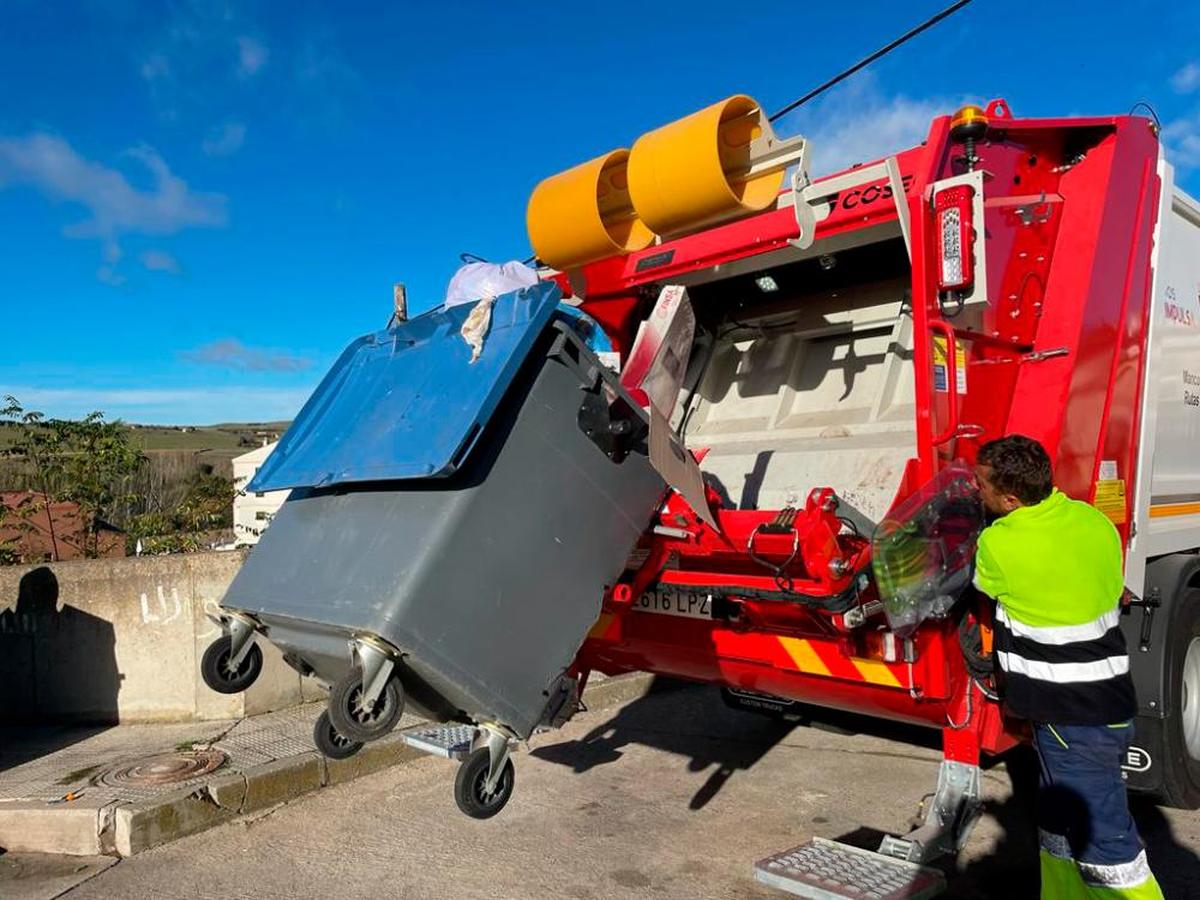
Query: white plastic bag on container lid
{"points": [[478, 280]]}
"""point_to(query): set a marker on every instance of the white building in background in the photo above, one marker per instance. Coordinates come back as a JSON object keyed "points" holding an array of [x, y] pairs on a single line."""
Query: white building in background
{"points": [[253, 512]]}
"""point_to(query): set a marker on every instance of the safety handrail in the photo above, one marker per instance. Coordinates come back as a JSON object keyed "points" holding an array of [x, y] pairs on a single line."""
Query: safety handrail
{"points": [[951, 430]]}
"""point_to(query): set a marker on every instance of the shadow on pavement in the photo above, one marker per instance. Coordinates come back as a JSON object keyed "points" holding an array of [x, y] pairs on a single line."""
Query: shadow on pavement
{"points": [[681, 719], [56, 666], [692, 721], [1011, 869], [1176, 867]]}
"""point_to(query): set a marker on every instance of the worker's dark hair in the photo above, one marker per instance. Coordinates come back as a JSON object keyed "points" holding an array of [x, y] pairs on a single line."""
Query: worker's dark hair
{"points": [[1020, 466]]}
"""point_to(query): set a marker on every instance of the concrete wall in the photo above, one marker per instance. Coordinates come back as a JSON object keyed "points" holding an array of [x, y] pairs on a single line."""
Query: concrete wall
{"points": [[121, 640]]}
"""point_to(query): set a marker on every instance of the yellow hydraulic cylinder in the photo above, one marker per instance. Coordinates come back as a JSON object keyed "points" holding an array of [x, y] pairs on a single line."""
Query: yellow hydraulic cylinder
{"points": [[585, 214], [704, 168]]}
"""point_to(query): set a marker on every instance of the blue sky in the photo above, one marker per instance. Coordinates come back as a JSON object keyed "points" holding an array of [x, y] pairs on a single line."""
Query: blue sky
{"points": [[202, 203]]}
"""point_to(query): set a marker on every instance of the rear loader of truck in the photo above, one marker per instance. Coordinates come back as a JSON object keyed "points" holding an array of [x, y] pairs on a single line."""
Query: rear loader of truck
{"points": [[857, 339]]}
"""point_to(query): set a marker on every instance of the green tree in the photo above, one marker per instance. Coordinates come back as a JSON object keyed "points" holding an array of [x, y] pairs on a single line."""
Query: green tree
{"points": [[90, 462], [207, 505]]}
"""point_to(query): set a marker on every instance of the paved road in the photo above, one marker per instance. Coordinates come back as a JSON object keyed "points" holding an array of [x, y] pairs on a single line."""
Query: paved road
{"points": [[671, 796]]}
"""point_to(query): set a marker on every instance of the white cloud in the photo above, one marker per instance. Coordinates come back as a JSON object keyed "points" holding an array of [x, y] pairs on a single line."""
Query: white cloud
{"points": [[1182, 138], [226, 140], [231, 353], [252, 56], [859, 123], [114, 205], [167, 406], [1186, 79], [198, 48], [161, 261], [51, 165]]}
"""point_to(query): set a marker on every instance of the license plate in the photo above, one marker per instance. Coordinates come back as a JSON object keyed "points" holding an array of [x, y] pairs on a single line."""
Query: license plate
{"points": [[670, 602]]}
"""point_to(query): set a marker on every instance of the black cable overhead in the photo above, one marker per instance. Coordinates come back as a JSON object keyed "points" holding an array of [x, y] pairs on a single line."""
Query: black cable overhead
{"points": [[863, 63]]}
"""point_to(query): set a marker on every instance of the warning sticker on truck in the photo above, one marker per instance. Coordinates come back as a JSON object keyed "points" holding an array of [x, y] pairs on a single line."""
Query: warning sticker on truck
{"points": [[1110, 499], [940, 376]]}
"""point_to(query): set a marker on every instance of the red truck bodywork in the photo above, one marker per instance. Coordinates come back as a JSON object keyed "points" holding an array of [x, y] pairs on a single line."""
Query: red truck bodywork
{"points": [[1070, 207]]}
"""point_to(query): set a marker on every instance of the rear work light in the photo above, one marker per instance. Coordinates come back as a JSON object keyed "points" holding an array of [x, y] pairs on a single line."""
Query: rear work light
{"points": [[956, 237]]}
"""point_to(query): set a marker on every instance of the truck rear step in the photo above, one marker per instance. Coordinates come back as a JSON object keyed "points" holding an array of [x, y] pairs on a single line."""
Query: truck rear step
{"points": [[823, 870]]}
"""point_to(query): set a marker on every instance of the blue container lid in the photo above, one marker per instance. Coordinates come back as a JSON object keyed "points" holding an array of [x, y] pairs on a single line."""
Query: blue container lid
{"points": [[407, 402]]}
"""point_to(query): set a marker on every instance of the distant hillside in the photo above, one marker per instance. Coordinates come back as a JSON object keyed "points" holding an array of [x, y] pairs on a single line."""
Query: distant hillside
{"points": [[227, 439], [230, 436]]}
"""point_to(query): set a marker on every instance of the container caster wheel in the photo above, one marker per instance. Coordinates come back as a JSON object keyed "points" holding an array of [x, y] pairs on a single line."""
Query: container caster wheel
{"points": [[354, 719], [223, 678], [470, 786], [331, 742]]}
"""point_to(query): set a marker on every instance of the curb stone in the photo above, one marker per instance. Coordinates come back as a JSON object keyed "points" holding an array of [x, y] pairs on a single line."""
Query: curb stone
{"points": [[373, 757], [228, 791], [283, 780], [140, 826], [34, 827]]}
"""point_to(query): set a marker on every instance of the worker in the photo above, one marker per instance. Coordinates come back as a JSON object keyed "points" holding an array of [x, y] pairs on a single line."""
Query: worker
{"points": [[1054, 567]]}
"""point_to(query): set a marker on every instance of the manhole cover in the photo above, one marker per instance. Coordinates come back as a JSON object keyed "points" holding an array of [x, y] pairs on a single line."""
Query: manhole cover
{"points": [[166, 768]]}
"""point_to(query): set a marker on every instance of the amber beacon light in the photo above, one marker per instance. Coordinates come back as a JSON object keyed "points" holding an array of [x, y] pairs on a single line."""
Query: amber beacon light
{"points": [[970, 121], [968, 125]]}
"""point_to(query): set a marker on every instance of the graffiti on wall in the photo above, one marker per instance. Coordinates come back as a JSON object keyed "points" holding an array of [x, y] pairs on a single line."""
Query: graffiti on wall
{"points": [[164, 610]]}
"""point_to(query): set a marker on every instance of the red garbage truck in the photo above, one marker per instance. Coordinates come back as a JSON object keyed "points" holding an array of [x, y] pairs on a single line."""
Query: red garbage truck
{"points": [[857, 338]]}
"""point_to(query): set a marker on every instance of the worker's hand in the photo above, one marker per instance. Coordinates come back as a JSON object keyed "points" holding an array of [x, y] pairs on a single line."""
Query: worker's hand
{"points": [[1128, 598]]}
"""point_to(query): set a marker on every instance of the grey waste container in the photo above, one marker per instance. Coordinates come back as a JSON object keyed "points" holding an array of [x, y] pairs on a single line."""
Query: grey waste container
{"points": [[484, 583]]}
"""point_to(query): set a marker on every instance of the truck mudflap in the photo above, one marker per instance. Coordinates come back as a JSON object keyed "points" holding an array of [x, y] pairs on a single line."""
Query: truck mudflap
{"points": [[1141, 769]]}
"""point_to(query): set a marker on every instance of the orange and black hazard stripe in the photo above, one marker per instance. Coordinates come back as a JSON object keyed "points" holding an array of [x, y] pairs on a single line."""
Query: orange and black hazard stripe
{"points": [[825, 659], [808, 656]]}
